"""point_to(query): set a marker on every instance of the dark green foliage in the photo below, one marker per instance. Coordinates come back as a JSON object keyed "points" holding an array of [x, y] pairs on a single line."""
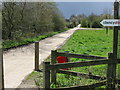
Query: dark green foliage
{"points": [[31, 18], [23, 20], [7, 44], [13, 43], [91, 21]]}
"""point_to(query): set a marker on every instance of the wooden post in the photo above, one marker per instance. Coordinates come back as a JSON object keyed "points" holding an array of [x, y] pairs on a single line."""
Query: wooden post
{"points": [[37, 56], [53, 61], [46, 75], [1, 71], [111, 73], [107, 30], [115, 33]]}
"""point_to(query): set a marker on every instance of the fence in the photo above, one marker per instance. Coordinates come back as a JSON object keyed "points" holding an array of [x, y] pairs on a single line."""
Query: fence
{"points": [[111, 61], [54, 67]]}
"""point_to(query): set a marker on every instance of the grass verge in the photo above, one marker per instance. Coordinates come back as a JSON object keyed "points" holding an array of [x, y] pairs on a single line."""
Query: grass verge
{"points": [[8, 44]]}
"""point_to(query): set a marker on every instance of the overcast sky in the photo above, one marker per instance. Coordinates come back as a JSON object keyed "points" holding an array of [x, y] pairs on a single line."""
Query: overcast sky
{"points": [[76, 8]]}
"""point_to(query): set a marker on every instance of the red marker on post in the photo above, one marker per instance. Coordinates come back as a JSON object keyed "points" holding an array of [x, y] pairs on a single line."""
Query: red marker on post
{"points": [[62, 59]]}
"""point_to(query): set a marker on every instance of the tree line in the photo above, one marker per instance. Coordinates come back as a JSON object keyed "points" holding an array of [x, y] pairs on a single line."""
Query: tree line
{"points": [[91, 21], [21, 20], [30, 19]]}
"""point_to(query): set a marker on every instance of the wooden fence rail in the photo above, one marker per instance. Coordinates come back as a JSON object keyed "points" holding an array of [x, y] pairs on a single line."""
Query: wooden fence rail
{"points": [[70, 55], [88, 76], [56, 68], [81, 64], [85, 87]]}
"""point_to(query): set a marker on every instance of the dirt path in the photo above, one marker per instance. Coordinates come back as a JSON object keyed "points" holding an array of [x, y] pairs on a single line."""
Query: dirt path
{"points": [[19, 62]]}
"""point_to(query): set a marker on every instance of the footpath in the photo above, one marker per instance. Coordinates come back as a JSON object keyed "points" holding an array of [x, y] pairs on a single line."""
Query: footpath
{"points": [[19, 62]]}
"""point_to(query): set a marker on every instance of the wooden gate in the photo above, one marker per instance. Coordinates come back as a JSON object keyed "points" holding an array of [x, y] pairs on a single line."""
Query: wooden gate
{"points": [[54, 68]]}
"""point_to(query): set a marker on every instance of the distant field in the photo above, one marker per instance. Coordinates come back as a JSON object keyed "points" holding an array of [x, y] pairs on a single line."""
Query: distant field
{"points": [[89, 42]]}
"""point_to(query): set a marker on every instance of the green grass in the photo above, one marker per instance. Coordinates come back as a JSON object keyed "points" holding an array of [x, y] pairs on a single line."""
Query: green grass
{"points": [[89, 42], [7, 44], [14, 43]]}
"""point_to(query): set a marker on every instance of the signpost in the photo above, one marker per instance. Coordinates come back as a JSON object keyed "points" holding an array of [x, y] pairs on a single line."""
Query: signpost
{"points": [[116, 44], [110, 22], [115, 23]]}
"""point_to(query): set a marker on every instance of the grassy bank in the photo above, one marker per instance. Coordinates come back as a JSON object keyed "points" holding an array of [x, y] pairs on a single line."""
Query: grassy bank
{"points": [[8, 44]]}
